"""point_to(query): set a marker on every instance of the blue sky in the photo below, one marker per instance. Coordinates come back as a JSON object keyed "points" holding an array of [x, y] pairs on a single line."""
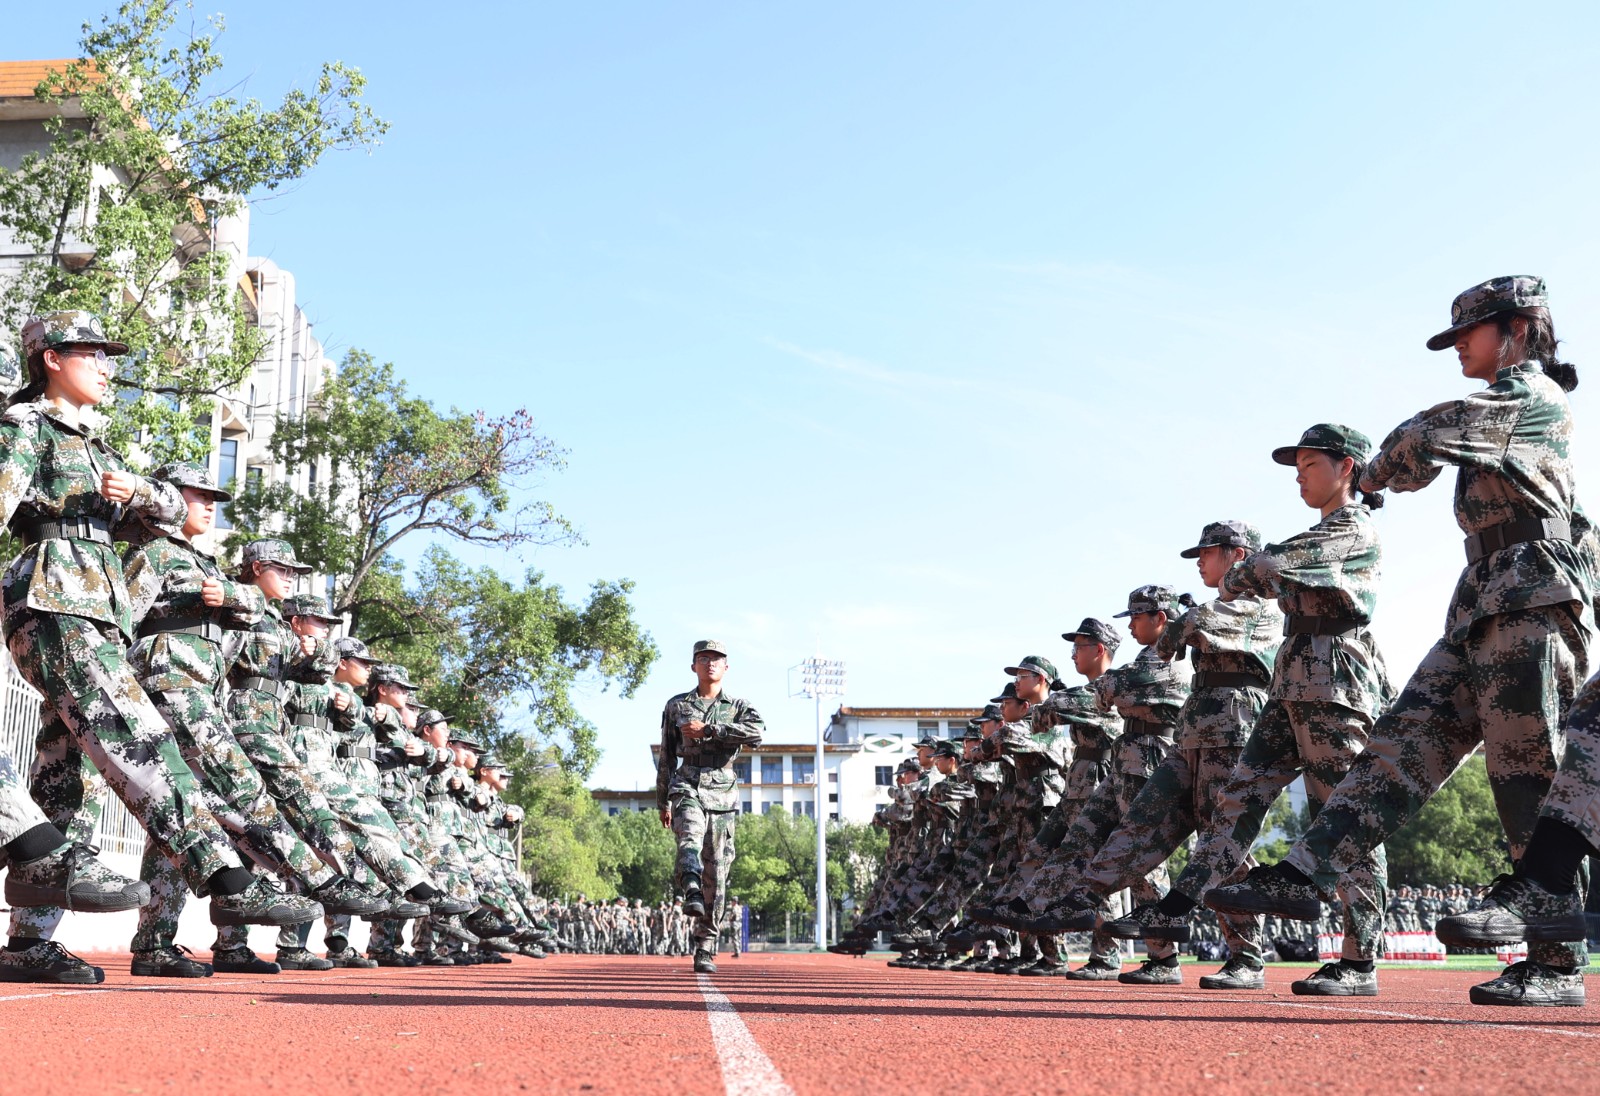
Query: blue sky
{"points": [[915, 333]]}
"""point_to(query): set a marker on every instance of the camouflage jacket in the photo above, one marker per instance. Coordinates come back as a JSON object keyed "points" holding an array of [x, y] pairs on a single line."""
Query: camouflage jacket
{"points": [[400, 777], [270, 649], [1238, 636], [164, 577], [1148, 688], [1511, 446], [1093, 733], [50, 471], [1329, 570], [1039, 749], [703, 767]]}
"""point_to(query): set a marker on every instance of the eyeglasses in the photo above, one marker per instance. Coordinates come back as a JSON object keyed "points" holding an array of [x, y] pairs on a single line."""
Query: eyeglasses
{"points": [[104, 362], [1025, 673]]}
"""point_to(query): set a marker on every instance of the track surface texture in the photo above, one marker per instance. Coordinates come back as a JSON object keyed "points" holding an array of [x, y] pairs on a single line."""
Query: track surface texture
{"points": [[772, 1023]]}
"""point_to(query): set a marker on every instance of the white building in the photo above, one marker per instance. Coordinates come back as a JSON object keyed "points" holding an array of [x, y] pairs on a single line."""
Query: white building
{"points": [[862, 749]]}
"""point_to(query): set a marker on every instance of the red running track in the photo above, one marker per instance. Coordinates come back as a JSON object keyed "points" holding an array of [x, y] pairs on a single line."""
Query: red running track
{"points": [[776, 1023]]}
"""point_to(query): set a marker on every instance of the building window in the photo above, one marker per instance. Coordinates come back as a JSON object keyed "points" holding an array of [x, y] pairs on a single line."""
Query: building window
{"points": [[741, 773], [955, 728], [802, 810], [766, 808], [833, 816], [833, 778], [744, 807], [883, 775], [804, 770], [612, 811], [227, 472], [833, 797], [928, 726], [772, 770]]}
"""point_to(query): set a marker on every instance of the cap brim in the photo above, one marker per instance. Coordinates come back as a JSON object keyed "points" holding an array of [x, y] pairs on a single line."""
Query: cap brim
{"points": [[1447, 338], [1015, 670], [1193, 553], [1120, 616]]}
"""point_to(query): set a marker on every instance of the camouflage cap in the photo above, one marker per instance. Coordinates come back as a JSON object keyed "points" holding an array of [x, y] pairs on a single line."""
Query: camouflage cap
{"points": [[1008, 693], [1330, 437], [1471, 307], [1037, 664], [466, 741], [309, 605], [1226, 534], [1098, 631], [351, 647], [273, 550], [909, 765], [488, 759], [429, 716], [1154, 598], [183, 473], [56, 329], [949, 747], [712, 645], [991, 712], [927, 742], [391, 673]]}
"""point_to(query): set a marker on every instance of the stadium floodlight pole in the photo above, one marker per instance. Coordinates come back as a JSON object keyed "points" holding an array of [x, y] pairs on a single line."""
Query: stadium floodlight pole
{"points": [[819, 678]]}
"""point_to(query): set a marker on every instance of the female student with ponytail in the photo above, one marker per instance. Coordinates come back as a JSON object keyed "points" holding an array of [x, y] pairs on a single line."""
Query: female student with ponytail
{"points": [[1515, 648]]}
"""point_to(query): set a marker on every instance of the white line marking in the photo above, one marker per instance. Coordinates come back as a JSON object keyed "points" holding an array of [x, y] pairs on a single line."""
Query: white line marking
{"points": [[746, 1069]]}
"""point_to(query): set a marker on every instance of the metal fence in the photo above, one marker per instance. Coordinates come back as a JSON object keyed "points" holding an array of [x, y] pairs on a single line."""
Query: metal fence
{"points": [[119, 832]]}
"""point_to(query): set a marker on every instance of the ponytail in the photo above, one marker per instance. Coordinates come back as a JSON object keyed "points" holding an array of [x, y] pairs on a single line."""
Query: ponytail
{"points": [[34, 389], [1539, 344], [1372, 500]]}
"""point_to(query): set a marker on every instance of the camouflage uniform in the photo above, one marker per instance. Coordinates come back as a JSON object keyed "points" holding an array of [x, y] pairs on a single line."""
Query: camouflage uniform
{"points": [[1235, 644], [1515, 648], [178, 659], [1328, 686], [695, 778], [67, 625]]}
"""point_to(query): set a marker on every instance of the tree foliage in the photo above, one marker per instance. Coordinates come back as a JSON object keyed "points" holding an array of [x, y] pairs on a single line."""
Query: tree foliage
{"points": [[1456, 837], [118, 211]]}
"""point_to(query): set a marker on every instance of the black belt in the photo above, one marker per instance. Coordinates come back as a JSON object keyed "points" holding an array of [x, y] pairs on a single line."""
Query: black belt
{"points": [[205, 627], [1297, 624], [1508, 533], [366, 752], [1147, 726], [1220, 679], [309, 719], [268, 685], [437, 797], [1088, 755], [85, 528]]}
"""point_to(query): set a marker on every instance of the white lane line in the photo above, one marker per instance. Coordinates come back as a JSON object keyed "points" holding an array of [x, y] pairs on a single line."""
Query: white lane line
{"points": [[746, 1069]]}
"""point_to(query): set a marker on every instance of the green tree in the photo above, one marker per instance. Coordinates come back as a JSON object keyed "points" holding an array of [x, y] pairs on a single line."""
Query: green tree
{"points": [[143, 157], [1456, 837], [483, 643], [568, 845], [649, 853]]}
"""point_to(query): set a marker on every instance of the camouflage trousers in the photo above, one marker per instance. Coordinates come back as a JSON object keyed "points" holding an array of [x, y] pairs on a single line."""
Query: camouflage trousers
{"points": [[1319, 740], [1508, 687], [372, 831], [1135, 759], [248, 814], [257, 721], [99, 729], [450, 871], [1180, 798], [1574, 796], [705, 850], [18, 812]]}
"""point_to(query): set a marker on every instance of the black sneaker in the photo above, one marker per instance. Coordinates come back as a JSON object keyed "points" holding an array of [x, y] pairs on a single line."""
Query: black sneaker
{"points": [[532, 951], [73, 879], [435, 959], [348, 956], [400, 909], [241, 961], [485, 922], [301, 959], [1515, 909], [1044, 968], [173, 962], [387, 958], [496, 944], [453, 928], [48, 961], [705, 963], [261, 903], [1094, 970], [1147, 922], [1337, 980], [1268, 890], [1235, 974], [1152, 972], [1531, 984], [340, 895], [442, 905]]}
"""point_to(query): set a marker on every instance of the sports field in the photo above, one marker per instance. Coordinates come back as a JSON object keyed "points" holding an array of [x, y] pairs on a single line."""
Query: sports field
{"points": [[770, 1023]]}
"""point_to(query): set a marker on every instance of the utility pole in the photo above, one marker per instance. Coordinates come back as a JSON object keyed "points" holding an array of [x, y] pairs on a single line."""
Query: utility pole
{"points": [[819, 678]]}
